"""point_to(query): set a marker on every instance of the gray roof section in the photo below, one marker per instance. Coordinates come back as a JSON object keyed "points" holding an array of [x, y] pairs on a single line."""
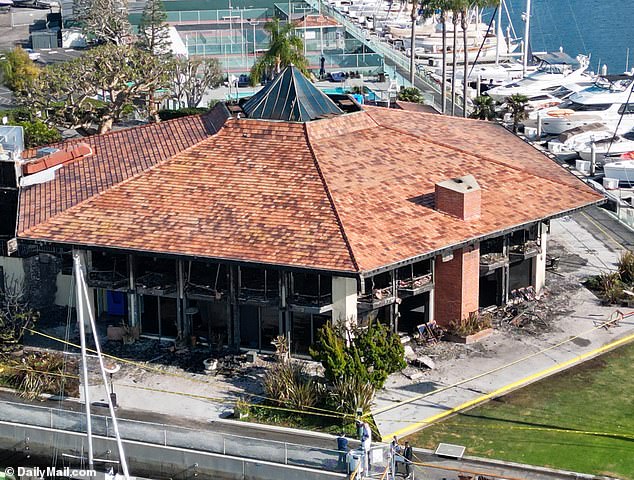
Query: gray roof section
{"points": [[290, 97], [557, 58]]}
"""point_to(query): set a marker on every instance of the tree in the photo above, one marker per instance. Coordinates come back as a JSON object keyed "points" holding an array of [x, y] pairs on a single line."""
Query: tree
{"points": [[516, 106], [105, 20], [424, 8], [371, 354], [412, 50], [410, 94], [15, 314], [465, 24], [38, 133], [484, 108], [100, 86], [285, 48], [191, 78], [442, 5], [455, 17], [18, 70], [154, 33]]}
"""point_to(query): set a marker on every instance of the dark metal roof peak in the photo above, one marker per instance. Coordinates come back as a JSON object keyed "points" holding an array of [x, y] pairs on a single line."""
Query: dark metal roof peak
{"points": [[290, 97]]}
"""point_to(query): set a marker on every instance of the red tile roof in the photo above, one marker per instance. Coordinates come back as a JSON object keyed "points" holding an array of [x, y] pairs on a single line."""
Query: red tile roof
{"points": [[117, 156], [352, 193], [315, 21]]}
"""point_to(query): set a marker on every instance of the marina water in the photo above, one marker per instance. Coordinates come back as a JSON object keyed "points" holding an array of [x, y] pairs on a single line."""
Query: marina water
{"points": [[603, 28]]}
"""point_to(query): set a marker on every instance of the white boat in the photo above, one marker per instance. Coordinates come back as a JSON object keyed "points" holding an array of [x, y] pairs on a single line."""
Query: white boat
{"points": [[565, 145], [554, 70], [546, 100], [606, 148], [622, 170], [605, 102]]}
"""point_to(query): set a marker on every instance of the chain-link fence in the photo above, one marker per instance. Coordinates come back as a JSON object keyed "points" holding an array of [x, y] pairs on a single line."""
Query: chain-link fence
{"points": [[159, 434]]}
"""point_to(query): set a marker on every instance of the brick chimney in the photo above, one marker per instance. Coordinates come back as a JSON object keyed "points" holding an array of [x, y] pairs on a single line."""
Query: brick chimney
{"points": [[460, 197]]}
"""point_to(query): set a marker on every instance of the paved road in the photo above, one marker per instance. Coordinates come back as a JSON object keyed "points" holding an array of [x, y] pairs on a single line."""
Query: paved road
{"points": [[602, 225]]}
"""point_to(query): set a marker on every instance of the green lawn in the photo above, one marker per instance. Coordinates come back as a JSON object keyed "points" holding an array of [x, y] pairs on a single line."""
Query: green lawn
{"points": [[541, 424]]}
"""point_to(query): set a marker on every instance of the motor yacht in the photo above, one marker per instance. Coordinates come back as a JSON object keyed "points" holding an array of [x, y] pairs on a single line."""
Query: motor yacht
{"points": [[551, 98], [609, 101], [606, 149], [565, 146], [554, 70]]}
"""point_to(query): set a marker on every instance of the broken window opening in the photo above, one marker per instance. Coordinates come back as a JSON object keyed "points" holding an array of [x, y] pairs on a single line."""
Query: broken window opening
{"points": [[492, 251], [207, 279], [108, 270], [258, 284], [311, 289], [378, 287], [525, 242], [414, 277], [155, 276]]}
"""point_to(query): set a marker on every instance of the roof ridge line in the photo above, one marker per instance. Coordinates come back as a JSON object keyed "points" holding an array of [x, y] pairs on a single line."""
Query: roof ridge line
{"points": [[331, 199], [488, 159], [125, 181], [124, 130]]}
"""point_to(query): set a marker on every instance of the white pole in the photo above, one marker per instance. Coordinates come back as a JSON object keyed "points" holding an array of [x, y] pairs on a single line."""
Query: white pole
{"points": [[527, 31], [84, 366], [81, 284], [627, 60], [593, 158], [243, 49], [499, 34]]}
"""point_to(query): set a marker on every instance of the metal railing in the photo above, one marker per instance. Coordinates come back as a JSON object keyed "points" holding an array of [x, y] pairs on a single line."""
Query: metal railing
{"points": [[172, 436], [400, 60]]}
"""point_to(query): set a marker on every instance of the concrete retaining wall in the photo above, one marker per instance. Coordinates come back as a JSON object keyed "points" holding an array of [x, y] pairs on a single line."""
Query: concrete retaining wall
{"points": [[149, 460]]}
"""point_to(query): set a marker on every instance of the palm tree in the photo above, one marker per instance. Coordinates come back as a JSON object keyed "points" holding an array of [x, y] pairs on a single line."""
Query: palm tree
{"points": [[412, 56], [464, 23], [516, 106], [455, 17], [442, 5], [285, 48], [484, 108]]}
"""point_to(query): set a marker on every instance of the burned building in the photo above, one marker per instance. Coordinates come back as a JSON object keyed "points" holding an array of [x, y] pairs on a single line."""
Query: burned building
{"points": [[296, 209]]}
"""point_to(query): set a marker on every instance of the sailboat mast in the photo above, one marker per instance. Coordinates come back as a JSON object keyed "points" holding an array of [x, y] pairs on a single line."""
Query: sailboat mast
{"points": [[83, 291], [498, 33], [81, 309], [527, 30]]}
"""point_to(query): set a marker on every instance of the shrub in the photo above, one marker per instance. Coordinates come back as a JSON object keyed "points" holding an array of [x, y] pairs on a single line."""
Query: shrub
{"points": [[350, 393], [610, 286], [474, 323], [38, 373], [15, 314], [410, 94], [38, 133], [288, 384], [371, 355], [181, 112], [626, 267]]}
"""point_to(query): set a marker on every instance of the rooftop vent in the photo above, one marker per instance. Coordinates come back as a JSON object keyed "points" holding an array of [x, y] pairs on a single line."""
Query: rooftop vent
{"points": [[460, 197]]}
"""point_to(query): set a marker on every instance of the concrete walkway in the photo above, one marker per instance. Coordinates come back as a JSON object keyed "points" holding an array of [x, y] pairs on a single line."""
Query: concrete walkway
{"points": [[505, 362]]}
